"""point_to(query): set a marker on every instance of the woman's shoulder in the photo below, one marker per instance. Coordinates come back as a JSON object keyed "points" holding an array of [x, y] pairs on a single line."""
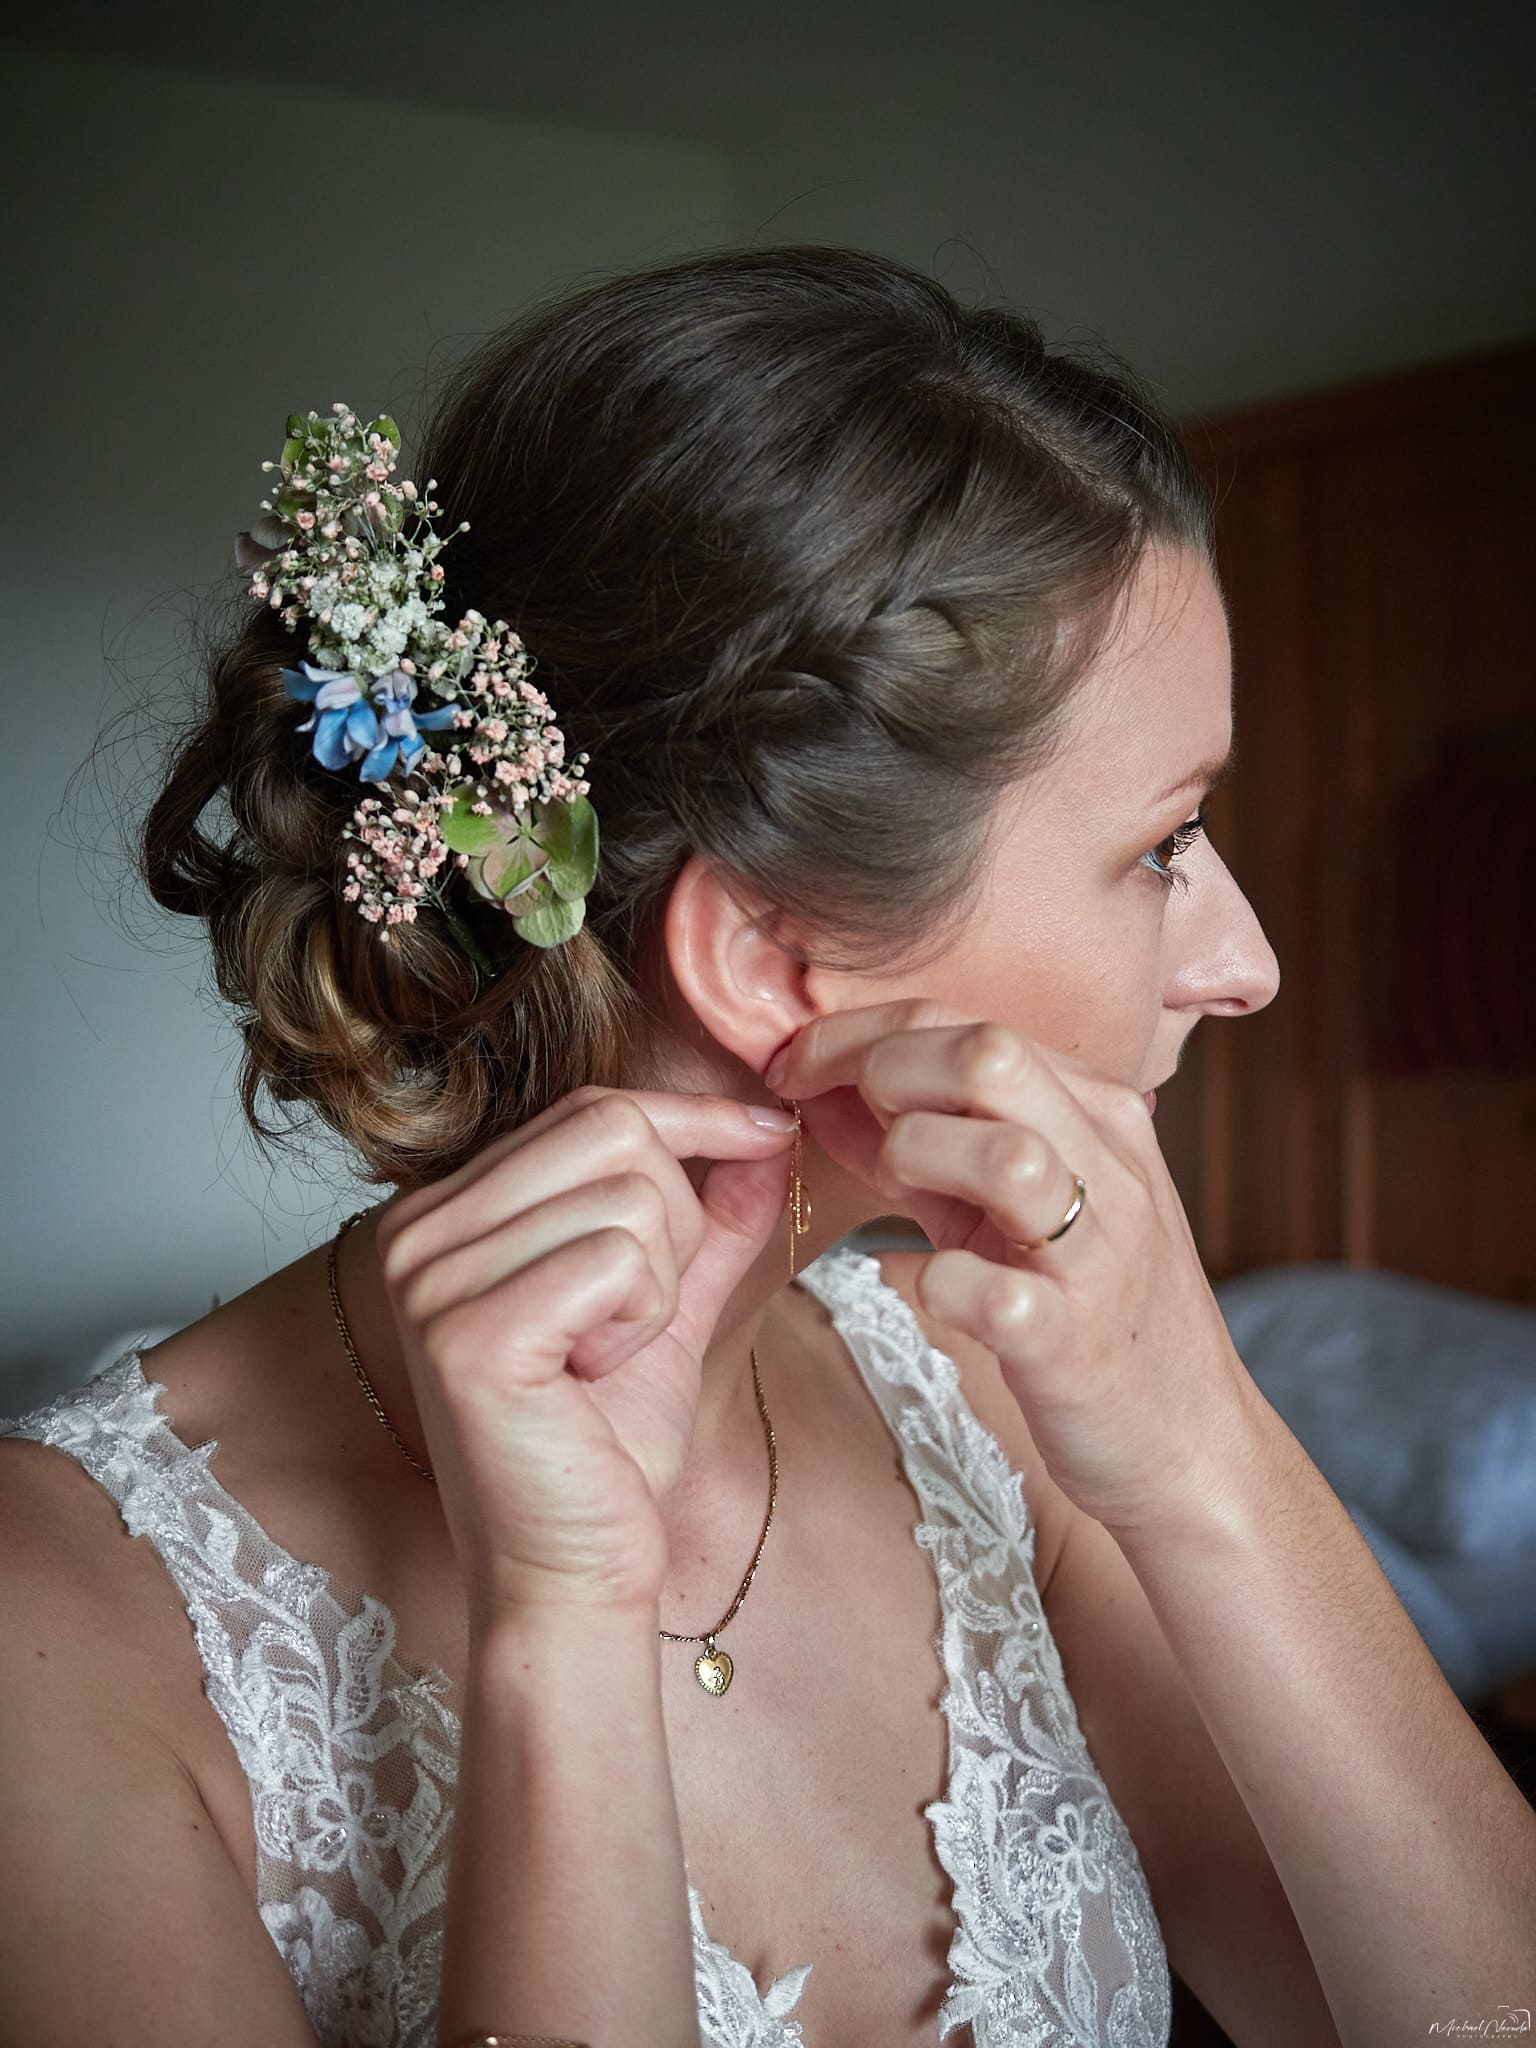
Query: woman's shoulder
{"points": [[228, 1374], [84, 1475], [104, 1527], [86, 1611]]}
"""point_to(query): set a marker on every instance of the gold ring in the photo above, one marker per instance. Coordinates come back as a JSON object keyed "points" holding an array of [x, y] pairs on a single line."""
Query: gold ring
{"points": [[1067, 1221]]}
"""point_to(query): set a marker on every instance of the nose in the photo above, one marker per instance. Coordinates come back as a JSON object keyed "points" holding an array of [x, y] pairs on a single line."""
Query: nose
{"points": [[1223, 962]]}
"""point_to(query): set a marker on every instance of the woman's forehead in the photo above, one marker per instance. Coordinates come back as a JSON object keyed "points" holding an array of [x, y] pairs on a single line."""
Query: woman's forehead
{"points": [[1153, 713]]}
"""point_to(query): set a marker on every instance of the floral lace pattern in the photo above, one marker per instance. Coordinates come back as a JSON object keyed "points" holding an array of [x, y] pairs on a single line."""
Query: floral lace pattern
{"points": [[1056, 1939], [351, 1753]]}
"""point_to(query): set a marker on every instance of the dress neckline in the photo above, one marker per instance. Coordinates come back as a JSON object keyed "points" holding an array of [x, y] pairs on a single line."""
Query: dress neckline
{"points": [[845, 1280], [355, 1600]]}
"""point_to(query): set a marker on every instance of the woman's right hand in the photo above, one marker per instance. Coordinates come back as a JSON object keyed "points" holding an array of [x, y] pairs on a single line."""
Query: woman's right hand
{"points": [[554, 1299]]}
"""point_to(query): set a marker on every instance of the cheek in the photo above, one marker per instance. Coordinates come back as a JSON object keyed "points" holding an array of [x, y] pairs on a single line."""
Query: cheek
{"points": [[1071, 976]]}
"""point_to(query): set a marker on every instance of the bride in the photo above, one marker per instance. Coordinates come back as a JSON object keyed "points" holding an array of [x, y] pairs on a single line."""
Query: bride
{"points": [[551, 1624]]}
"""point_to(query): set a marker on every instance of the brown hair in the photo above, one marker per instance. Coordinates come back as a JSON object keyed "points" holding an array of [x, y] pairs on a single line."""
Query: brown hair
{"points": [[810, 556]]}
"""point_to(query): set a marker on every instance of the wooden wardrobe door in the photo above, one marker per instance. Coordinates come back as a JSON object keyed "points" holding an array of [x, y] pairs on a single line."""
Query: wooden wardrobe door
{"points": [[1376, 546]]}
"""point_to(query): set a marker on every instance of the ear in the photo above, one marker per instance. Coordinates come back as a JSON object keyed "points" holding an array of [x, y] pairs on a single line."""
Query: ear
{"points": [[747, 990]]}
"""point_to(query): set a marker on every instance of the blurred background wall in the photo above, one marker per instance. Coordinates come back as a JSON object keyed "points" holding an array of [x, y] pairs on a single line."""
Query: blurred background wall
{"points": [[1374, 542], [216, 218]]}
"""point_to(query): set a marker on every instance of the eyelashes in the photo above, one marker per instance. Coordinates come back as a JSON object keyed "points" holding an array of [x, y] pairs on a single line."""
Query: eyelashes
{"points": [[1167, 851]]}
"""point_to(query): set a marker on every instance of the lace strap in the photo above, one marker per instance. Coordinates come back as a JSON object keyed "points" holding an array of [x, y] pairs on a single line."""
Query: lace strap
{"points": [[953, 1461], [220, 1558], [115, 1430]]}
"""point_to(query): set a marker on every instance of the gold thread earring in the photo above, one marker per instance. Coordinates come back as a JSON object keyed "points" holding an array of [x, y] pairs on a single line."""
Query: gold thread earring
{"points": [[799, 1199]]}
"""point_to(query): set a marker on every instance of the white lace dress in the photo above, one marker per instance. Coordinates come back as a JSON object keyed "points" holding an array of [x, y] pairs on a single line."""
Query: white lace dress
{"points": [[351, 1753]]}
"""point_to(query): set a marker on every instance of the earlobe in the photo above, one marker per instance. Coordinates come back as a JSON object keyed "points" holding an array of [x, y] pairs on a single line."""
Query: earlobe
{"points": [[743, 987]]}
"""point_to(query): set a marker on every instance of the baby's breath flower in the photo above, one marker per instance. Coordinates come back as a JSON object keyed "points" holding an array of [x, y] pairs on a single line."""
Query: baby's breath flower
{"points": [[355, 558], [349, 622]]}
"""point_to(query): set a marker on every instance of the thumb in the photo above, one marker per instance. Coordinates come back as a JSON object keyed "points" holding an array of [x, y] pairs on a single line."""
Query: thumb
{"points": [[743, 1200]]}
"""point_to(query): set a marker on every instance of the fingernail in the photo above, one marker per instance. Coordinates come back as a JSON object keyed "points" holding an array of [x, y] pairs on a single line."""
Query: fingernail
{"points": [[774, 1073], [773, 1119]]}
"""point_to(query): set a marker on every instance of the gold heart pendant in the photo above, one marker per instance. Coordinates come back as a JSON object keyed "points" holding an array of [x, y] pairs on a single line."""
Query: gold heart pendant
{"points": [[713, 1670]]}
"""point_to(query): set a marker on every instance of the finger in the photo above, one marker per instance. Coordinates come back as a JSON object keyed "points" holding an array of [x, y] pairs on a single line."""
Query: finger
{"points": [[739, 1201], [796, 1069], [742, 1199], [1011, 1172], [975, 1065], [1017, 1312], [521, 1330], [464, 1270], [602, 1138], [588, 1134]]}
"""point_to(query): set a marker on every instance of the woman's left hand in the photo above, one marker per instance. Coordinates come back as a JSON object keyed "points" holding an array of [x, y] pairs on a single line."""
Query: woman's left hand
{"points": [[1110, 1339]]}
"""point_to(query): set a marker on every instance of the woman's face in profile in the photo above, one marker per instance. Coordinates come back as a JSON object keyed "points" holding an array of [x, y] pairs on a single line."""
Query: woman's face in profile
{"points": [[1075, 939]]}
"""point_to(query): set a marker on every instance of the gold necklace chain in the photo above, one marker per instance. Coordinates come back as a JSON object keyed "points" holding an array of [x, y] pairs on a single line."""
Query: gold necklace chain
{"points": [[713, 1668]]}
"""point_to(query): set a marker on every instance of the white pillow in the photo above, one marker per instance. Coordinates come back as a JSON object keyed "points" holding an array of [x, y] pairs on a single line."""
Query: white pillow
{"points": [[1416, 1402]]}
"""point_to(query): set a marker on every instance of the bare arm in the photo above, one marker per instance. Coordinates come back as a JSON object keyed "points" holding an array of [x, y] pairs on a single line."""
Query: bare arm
{"points": [[567, 1900], [123, 1917], [553, 1316], [122, 1908], [1406, 1851]]}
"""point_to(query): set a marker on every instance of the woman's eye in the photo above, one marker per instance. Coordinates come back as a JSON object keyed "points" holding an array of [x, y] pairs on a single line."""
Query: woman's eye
{"points": [[1167, 851]]}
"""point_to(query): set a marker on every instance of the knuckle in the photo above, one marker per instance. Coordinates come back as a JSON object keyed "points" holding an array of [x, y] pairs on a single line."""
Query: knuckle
{"points": [[417, 1297], [634, 1193], [617, 1242], [1010, 1302], [588, 1093], [924, 1013], [886, 1172], [622, 1120], [1020, 1158], [400, 1254], [877, 1064], [889, 1156], [1127, 1107], [989, 1051], [621, 1249]]}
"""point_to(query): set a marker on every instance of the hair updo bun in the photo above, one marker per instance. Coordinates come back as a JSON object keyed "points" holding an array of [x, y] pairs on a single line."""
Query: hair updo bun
{"points": [[810, 557]]}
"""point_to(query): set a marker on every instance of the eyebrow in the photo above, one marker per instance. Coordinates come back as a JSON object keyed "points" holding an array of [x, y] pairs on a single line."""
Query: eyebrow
{"points": [[1205, 774]]}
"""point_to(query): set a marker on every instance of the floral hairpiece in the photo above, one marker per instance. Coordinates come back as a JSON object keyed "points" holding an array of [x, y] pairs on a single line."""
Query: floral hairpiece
{"points": [[351, 555]]}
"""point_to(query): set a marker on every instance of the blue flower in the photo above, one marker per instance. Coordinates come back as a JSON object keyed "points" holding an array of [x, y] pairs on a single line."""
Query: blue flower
{"points": [[347, 728], [394, 694], [343, 722]]}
